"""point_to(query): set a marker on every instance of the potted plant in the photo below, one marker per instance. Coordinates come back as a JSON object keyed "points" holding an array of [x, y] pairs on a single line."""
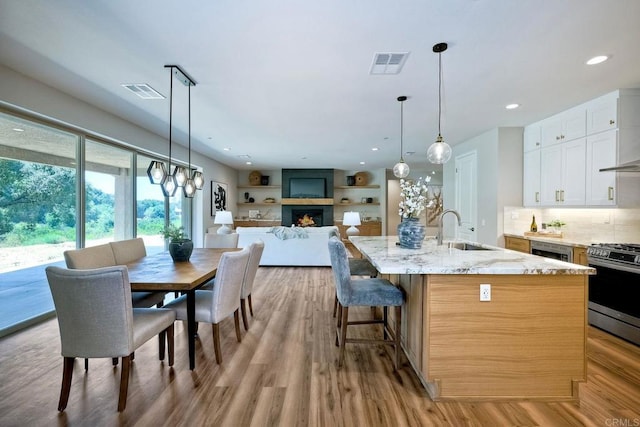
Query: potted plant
{"points": [[180, 246], [557, 225], [414, 198]]}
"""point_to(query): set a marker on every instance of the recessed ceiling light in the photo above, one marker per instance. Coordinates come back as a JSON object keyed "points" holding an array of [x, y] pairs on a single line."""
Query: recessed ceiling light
{"points": [[597, 60], [18, 130], [433, 172], [512, 106], [374, 149], [362, 163], [226, 149], [248, 163]]}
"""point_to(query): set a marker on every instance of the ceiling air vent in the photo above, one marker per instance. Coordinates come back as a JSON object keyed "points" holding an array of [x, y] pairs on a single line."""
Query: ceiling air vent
{"points": [[388, 63], [143, 90]]}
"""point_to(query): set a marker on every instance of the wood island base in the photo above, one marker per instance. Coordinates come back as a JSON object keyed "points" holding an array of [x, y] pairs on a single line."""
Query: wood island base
{"points": [[528, 342]]}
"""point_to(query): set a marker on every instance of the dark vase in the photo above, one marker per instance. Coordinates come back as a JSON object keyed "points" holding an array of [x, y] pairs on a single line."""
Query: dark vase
{"points": [[351, 180], [264, 180], [180, 250], [411, 233]]}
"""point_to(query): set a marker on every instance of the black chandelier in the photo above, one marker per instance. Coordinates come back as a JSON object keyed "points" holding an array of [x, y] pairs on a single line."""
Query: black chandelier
{"points": [[180, 177]]}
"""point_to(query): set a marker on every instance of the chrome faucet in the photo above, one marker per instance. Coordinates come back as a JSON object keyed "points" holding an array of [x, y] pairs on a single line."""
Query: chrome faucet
{"points": [[440, 223]]}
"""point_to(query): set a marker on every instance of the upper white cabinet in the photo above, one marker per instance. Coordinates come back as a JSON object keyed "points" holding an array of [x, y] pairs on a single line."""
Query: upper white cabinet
{"points": [[531, 190], [564, 127], [562, 172], [601, 153], [532, 137], [602, 113], [574, 145]]}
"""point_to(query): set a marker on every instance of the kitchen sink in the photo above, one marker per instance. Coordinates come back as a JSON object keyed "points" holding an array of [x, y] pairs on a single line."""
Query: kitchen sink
{"points": [[467, 247]]}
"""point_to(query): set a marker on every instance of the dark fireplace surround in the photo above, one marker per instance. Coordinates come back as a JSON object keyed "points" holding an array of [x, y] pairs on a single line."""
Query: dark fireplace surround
{"points": [[320, 215]]}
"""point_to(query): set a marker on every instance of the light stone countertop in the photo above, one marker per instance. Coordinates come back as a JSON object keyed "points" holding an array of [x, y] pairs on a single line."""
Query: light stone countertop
{"points": [[389, 258]]}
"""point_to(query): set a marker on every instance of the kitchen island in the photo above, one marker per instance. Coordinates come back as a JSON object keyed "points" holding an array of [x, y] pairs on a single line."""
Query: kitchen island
{"points": [[528, 341]]}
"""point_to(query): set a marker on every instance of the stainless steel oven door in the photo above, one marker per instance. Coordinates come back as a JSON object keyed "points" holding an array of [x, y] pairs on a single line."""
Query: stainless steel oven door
{"points": [[614, 299], [550, 250]]}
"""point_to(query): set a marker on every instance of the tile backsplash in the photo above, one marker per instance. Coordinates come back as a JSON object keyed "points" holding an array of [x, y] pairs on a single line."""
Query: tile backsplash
{"points": [[585, 225]]}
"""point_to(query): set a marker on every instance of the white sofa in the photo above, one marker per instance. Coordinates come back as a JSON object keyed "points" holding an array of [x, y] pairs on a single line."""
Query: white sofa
{"points": [[284, 246]]}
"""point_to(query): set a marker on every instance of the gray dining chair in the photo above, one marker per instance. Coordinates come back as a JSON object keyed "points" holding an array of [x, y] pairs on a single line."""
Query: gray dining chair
{"points": [[108, 327], [213, 306], [255, 253], [363, 292]]}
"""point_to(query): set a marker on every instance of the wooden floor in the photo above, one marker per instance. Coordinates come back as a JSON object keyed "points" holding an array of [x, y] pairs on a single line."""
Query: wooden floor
{"points": [[284, 374]]}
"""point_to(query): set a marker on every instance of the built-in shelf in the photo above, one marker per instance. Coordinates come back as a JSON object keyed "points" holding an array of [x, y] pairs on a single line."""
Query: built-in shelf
{"points": [[258, 204], [351, 187], [296, 201], [266, 187], [357, 204]]}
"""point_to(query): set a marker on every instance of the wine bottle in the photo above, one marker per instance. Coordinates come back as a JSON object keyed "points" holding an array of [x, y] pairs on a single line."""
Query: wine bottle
{"points": [[534, 226]]}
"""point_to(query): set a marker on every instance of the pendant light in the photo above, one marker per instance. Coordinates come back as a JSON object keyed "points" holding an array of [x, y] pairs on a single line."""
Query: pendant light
{"points": [[401, 169], [439, 152], [189, 187], [168, 184], [181, 176]]}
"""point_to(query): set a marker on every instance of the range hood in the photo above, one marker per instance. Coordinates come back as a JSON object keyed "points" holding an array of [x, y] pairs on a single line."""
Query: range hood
{"points": [[633, 166]]}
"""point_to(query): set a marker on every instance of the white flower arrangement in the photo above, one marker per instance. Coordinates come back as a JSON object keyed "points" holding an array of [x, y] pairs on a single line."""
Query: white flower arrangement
{"points": [[414, 197]]}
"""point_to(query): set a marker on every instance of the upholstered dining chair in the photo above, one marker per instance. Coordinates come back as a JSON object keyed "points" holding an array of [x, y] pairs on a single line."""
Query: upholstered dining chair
{"points": [[213, 240], [111, 254], [363, 292], [213, 306], [255, 253], [108, 327], [106, 256]]}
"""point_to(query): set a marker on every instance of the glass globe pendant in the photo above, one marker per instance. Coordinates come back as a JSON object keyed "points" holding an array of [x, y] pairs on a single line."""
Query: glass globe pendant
{"points": [[401, 169], [439, 152]]}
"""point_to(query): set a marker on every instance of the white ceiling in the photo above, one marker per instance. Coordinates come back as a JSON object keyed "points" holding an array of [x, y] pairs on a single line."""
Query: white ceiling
{"points": [[287, 81]]}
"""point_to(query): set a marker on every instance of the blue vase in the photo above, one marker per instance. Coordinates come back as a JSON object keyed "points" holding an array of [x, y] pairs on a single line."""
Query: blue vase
{"points": [[411, 233]]}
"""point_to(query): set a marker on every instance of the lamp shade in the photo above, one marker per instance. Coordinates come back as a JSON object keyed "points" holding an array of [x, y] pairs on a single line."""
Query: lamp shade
{"points": [[225, 218], [352, 219]]}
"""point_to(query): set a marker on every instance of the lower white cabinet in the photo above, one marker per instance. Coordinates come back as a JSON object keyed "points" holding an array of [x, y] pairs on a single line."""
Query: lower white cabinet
{"points": [[601, 153]]}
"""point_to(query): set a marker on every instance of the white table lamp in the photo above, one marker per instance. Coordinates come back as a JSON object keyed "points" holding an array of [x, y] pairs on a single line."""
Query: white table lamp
{"points": [[225, 218], [352, 219]]}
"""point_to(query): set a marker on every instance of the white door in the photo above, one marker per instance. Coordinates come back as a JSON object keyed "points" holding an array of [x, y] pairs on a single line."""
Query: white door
{"points": [[466, 196]]}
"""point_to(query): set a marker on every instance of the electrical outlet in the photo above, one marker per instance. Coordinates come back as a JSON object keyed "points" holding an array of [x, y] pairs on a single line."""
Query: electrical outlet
{"points": [[485, 292]]}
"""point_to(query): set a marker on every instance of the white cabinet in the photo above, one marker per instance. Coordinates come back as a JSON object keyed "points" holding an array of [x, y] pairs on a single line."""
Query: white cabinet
{"points": [[562, 174], [531, 137], [531, 181], [601, 153], [563, 127], [602, 114]]}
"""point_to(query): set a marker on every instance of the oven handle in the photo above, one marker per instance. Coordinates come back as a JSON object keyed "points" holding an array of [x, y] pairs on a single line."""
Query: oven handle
{"points": [[598, 263]]}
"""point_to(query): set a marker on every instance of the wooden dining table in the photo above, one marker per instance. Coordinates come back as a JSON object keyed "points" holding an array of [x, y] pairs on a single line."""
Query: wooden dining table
{"points": [[159, 273]]}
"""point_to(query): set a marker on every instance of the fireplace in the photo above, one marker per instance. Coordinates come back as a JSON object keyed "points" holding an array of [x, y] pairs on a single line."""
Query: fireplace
{"points": [[306, 217], [307, 197], [316, 215]]}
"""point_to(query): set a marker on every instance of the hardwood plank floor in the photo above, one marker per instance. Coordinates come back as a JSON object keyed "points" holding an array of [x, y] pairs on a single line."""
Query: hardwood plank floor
{"points": [[283, 373]]}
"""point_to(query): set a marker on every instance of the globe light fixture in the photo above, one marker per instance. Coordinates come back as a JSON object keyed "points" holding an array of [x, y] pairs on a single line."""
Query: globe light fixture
{"points": [[401, 169], [439, 152]]}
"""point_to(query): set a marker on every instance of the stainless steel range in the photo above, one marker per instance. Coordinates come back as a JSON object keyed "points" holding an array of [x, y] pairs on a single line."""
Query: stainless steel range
{"points": [[614, 292]]}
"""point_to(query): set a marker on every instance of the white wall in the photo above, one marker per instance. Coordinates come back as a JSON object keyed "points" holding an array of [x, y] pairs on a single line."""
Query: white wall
{"points": [[23, 94], [499, 174]]}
